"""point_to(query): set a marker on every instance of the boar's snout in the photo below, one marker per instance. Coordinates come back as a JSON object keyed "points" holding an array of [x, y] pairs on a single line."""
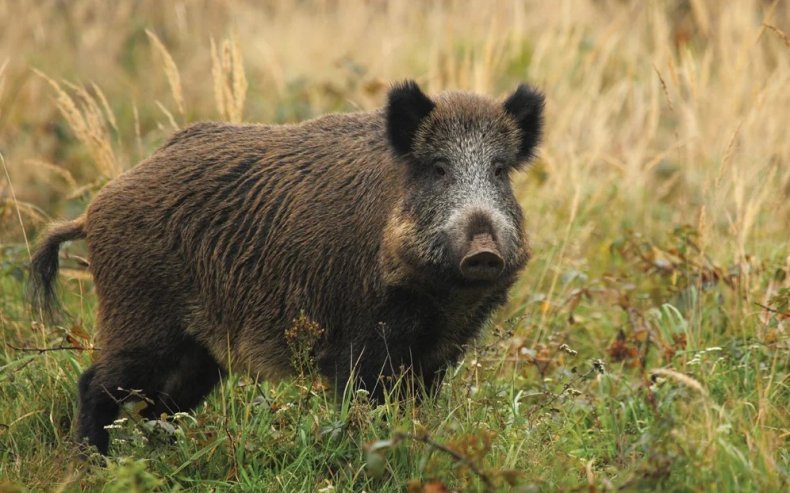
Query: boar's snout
{"points": [[482, 260]]}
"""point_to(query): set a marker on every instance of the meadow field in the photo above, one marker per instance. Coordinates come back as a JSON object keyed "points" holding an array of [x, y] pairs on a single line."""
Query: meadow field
{"points": [[646, 347]]}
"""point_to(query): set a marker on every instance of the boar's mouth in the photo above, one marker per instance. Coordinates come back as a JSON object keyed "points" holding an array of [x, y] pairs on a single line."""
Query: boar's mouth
{"points": [[478, 266]]}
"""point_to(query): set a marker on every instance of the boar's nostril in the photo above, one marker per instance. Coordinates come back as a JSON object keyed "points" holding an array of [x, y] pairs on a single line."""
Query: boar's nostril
{"points": [[482, 261], [482, 266]]}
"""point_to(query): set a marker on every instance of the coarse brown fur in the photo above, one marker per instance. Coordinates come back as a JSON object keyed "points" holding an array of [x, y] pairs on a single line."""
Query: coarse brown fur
{"points": [[205, 253]]}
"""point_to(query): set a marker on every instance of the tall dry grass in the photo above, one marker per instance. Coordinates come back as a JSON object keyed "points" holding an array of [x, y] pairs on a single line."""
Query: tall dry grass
{"points": [[657, 108], [230, 83]]}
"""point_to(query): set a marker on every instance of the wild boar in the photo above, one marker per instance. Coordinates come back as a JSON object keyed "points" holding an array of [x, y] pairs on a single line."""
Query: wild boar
{"points": [[395, 230]]}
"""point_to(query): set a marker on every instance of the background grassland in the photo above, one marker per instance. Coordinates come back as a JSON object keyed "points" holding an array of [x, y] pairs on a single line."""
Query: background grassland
{"points": [[659, 212]]}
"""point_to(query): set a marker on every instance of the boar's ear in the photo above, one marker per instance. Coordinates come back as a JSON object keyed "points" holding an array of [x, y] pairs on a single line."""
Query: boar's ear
{"points": [[407, 105], [526, 107]]}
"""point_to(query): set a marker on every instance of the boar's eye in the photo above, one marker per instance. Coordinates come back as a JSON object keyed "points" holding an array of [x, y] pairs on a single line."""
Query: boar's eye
{"points": [[499, 168], [440, 167]]}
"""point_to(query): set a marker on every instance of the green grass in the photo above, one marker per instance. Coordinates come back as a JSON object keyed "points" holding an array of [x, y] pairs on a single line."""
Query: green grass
{"points": [[531, 413]]}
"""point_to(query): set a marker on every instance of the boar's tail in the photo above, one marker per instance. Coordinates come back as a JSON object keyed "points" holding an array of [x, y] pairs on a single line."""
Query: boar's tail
{"points": [[44, 267]]}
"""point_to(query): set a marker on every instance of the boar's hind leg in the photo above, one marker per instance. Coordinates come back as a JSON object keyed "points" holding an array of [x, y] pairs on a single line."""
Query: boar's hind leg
{"points": [[174, 377], [116, 378], [97, 409], [188, 383]]}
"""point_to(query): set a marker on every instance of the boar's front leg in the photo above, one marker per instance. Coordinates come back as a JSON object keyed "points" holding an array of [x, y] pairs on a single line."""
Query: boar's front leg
{"points": [[395, 352]]}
